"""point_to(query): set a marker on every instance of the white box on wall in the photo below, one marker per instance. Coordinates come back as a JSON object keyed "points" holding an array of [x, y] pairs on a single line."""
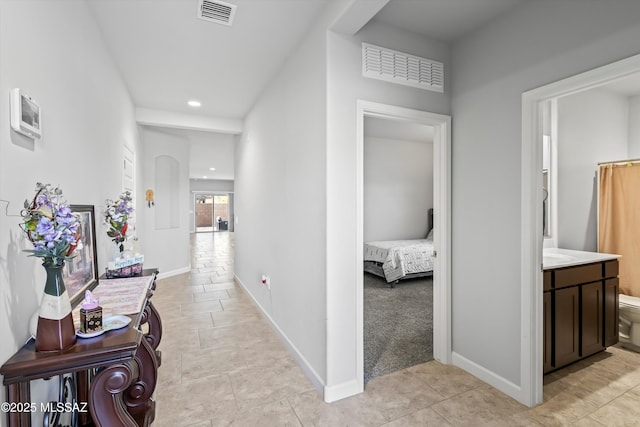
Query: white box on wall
{"points": [[26, 116]]}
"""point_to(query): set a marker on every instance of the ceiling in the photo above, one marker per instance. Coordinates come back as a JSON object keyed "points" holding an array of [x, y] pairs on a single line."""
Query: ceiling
{"points": [[444, 20], [167, 56]]}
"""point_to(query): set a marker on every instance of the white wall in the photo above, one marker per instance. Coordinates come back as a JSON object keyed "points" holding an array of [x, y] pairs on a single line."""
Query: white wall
{"points": [[166, 243], [535, 44], [634, 127], [398, 188], [212, 185], [345, 86], [54, 52], [592, 127], [280, 192]]}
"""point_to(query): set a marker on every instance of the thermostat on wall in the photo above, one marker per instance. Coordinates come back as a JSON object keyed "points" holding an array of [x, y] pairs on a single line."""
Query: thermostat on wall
{"points": [[26, 116]]}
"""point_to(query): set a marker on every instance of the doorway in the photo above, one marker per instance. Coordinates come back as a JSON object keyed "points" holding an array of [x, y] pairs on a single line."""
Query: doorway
{"points": [[441, 220], [532, 211], [212, 212], [398, 199]]}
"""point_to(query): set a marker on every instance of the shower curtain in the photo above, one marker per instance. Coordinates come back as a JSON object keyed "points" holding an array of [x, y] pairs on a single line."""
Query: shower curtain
{"points": [[619, 220]]}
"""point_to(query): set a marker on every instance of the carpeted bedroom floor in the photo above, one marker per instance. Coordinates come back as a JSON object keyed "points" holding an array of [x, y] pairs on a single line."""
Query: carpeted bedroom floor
{"points": [[398, 324]]}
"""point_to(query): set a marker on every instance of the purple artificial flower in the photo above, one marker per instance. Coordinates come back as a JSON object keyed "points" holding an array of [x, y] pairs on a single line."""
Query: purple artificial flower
{"points": [[45, 226], [53, 231], [42, 200]]}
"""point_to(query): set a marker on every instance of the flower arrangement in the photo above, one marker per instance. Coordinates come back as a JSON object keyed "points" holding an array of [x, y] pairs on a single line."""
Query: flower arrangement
{"points": [[50, 225], [116, 215]]}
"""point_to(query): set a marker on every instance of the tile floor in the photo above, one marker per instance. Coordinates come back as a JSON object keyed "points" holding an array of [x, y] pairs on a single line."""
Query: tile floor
{"points": [[223, 365]]}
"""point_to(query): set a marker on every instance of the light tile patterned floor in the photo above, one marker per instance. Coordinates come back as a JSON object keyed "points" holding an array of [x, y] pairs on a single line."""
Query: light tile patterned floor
{"points": [[223, 365]]}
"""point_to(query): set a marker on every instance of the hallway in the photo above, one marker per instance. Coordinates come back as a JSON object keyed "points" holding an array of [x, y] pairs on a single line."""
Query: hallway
{"points": [[222, 364]]}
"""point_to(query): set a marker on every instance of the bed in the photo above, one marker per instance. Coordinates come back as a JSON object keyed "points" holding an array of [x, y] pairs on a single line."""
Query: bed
{"points": [[395, 260]]}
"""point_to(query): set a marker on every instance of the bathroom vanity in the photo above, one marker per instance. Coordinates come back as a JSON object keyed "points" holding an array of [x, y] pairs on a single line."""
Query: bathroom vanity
{"points": [[580, 305]]}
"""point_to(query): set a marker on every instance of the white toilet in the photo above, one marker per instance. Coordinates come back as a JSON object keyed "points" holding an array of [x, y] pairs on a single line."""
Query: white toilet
{"points": [[629, 322]]}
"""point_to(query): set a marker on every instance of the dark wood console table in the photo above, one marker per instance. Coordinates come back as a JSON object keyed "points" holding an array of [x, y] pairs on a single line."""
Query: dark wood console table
{"points": [[116, 372]]}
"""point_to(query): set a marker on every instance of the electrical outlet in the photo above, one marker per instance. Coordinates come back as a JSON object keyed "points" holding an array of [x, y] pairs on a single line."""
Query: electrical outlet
{"points": [[266, 281]]}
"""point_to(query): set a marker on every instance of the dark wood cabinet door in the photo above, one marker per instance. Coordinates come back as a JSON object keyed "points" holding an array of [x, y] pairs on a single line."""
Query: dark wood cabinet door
{"points": [[548, 335], [611, 312], [567, 325], [547, 281], [592, 333]]}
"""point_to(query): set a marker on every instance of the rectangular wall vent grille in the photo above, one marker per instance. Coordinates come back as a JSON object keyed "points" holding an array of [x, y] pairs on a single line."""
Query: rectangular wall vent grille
{"points": [[397, 67], [216, 11]]}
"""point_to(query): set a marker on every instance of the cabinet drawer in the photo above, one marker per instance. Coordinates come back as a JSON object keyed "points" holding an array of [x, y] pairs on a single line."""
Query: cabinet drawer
{"points": [[576, 275], [546, 281], [611, 268]]}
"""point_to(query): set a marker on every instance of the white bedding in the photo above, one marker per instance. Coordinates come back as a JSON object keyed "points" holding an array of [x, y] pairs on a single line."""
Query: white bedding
{"points": [[401, 257]]}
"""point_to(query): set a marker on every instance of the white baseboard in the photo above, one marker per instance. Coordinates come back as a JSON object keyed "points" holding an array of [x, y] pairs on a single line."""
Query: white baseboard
{"points": [[182, 270], [300, 359], [490, 377], [342, 391]]}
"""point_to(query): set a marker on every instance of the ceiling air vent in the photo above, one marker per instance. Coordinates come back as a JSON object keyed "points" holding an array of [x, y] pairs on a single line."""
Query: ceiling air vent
{"points": [[397, 67], [216, 11]]}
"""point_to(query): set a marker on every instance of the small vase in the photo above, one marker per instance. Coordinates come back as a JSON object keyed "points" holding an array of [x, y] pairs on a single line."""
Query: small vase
{"points": [[118, 250], [55, 331]]}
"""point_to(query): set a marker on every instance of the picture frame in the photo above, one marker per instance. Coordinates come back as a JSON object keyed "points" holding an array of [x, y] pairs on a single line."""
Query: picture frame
{"points": [[81, 272]]}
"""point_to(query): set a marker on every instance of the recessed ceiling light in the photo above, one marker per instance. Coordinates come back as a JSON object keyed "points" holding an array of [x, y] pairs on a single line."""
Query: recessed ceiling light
{"points": [[194, 103], [204, 176], [212, 169]]}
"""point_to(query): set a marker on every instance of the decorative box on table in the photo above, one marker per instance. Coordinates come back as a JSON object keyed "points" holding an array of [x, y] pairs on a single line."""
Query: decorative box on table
{"points": [[125, 267]]}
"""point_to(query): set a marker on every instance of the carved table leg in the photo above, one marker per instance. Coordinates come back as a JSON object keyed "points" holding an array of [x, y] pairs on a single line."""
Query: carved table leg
{"points": [[82, 383], [151, 317], [105, 399], [138, 397], [18, 393]]}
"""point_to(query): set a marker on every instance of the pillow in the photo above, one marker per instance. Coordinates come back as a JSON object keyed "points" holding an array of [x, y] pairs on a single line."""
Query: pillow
{"points": [[430, 235]]}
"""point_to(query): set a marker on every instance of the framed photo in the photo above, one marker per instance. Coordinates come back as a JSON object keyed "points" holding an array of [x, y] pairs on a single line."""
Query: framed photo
{"points": [[81, 272]]}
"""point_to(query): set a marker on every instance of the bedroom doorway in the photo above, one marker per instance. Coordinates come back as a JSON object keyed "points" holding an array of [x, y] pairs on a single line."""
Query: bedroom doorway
{"points": [[398, 253], [441, 219]]}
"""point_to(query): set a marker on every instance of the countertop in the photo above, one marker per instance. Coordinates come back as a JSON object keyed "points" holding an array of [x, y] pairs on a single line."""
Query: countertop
{"points": [[558, 258]]}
